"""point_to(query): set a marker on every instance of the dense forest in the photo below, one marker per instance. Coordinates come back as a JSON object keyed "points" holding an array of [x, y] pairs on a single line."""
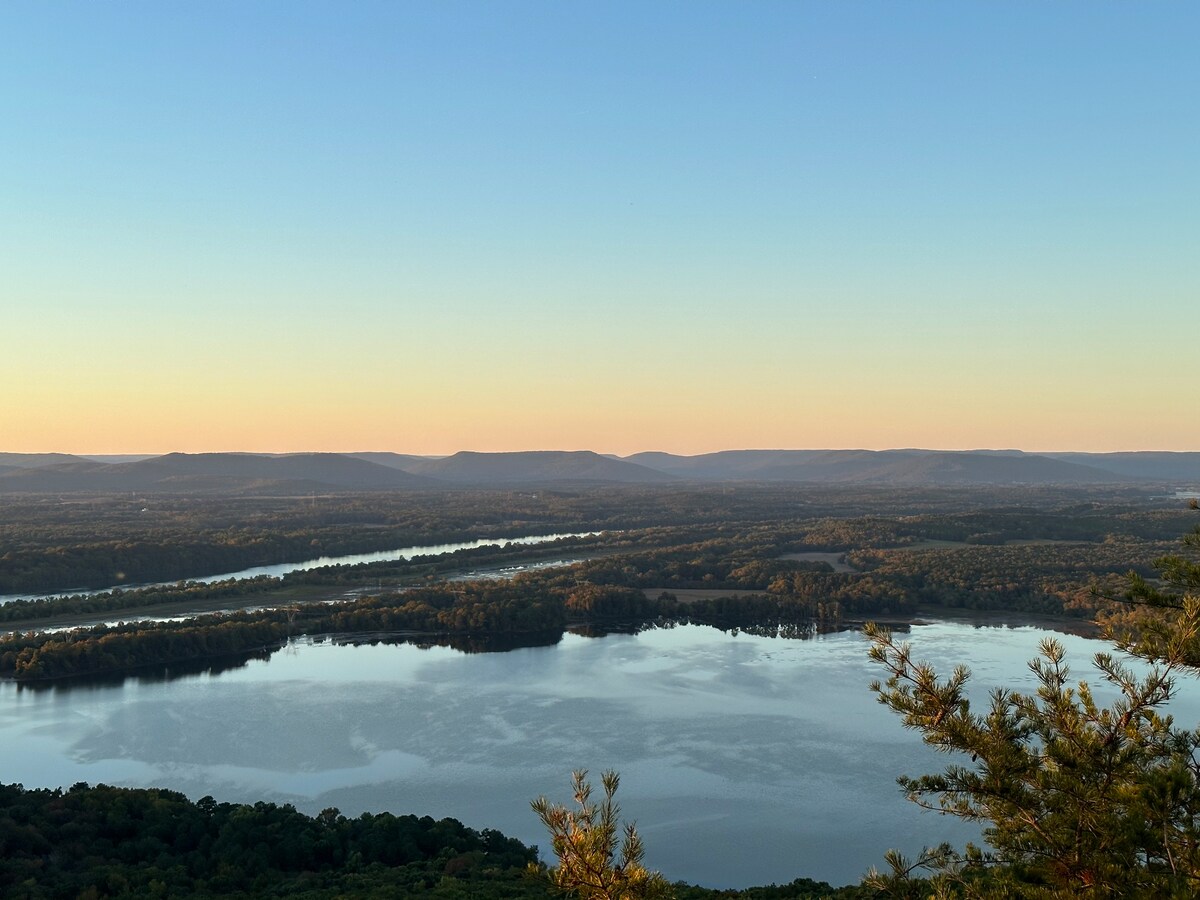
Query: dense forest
{"points": [[52, 544], [111, 842], [86, 843]]}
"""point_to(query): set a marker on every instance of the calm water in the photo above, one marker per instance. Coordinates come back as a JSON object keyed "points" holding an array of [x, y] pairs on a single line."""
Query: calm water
{"points": [[745, 760], [355, 559]]}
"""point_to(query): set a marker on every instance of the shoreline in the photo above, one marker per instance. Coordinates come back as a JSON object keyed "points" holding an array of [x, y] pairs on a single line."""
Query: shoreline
{"points": [[998, 618], [923, 615], [929, 616]]}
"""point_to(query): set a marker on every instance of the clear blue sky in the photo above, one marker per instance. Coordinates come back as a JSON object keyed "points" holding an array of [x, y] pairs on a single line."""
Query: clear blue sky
{"points": [[681, 226]]}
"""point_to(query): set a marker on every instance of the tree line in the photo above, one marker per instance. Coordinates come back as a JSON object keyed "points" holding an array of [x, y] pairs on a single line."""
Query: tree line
{"points": [[93, 842], [625, 582]]}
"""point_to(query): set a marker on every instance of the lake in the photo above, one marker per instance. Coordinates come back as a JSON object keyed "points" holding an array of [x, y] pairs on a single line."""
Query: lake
{"points": [[745, 760]]}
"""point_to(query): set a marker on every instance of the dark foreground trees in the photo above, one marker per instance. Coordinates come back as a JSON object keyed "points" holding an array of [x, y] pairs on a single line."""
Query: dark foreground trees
{"points": [[1077, 798], [108, 842]]}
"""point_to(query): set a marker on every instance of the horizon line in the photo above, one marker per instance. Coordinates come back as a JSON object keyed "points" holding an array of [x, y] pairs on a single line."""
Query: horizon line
{"points": [[152, 454]]}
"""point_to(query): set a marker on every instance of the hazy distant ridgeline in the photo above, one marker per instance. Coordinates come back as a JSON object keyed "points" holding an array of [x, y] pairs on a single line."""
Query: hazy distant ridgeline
{"points": [[188, 472], [289, 473], [535, 466], [1145, 464], [931, 467], [36, 460]]}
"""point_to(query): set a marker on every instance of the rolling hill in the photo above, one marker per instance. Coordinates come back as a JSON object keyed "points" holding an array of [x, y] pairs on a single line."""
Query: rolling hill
{"points": [[38, 460], [183, 472], [1160, 465], [900, 467], [385, 471], [536, 467]]}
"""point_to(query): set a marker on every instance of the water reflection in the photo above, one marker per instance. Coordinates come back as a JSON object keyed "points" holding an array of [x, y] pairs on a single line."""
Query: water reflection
{"points": [[463, 643], [154, 674], [745, 759]]}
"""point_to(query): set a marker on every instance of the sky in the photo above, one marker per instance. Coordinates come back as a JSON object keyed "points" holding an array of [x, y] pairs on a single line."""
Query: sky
{"points": [[434, 226]]}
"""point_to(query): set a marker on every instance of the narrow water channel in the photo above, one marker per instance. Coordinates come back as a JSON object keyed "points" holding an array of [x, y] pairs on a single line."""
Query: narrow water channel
{"points": [[282, 569]]}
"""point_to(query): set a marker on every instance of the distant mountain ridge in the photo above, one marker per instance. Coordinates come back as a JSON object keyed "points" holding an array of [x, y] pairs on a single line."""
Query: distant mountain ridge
{"points": [[899, 467], [37, 460], [1159, 464], [470, 467], [186, 472], [384, 471]]}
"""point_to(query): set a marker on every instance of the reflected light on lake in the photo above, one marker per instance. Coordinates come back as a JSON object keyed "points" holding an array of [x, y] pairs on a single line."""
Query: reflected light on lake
{"points": [[745, 760]]}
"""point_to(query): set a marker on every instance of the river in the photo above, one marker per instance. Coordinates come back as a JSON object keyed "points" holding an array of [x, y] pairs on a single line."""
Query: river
{"points": [[281, 569], [745, 760]]}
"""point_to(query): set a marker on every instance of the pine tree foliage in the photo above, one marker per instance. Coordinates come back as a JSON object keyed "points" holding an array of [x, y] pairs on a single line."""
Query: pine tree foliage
{"points": [[1149, 626], [598, 858], [1076, 798]]}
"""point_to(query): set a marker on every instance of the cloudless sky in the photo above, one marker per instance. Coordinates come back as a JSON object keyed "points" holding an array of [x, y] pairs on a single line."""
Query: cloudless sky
{"points": [[427, 227]]}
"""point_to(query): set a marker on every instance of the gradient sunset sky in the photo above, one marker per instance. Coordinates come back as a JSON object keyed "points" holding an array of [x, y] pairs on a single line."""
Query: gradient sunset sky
{"points": [[427, 227]]}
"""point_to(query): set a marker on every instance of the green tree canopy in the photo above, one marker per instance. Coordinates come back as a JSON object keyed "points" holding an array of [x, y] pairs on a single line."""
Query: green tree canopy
{"points": [[1077, 798]]}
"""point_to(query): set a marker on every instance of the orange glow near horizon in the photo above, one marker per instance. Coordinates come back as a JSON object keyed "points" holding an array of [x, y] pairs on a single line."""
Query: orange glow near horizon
{"points": [[792, 244], [612, 424], [315, 396]]}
